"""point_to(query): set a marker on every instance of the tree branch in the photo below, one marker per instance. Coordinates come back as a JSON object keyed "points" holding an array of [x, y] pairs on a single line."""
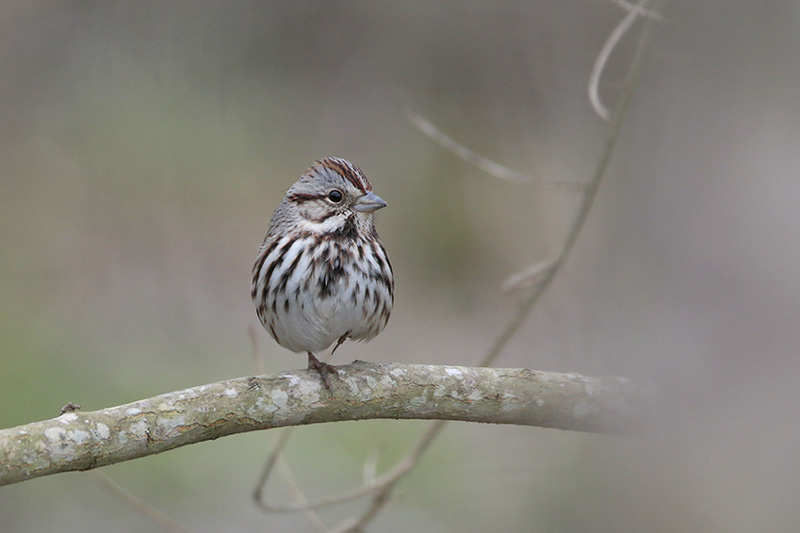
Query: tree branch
{"points": [[82, 441]]}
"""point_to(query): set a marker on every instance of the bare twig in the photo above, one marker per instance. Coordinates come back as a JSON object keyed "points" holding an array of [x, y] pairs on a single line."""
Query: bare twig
{"points": [[485, 164], [258, 359], [605, 52], [138, 505], [529, 277], [383, 488], [639, 10], [370, 472], [299, 496], [269, 466]]}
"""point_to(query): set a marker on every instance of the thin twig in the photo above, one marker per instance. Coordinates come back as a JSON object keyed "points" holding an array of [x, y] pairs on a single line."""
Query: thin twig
{"points": [[299, 496], [639, 10], [485, 164], [266, 471], [370, 471], [382, 489], [605, 52], [400, 469], [258, 360], [528, 277], [138, 505]]}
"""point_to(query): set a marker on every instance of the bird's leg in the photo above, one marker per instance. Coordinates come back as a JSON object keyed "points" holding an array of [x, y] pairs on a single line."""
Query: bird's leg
{"points": [[340, 341], [324, 369]]}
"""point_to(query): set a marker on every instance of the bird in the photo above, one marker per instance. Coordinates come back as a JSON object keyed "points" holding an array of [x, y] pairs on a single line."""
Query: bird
{"points": [[322, 275]]}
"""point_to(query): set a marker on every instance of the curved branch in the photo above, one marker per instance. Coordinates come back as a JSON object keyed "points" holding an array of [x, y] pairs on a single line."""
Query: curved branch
{"points": [[83, 441], [605, 52], [484, 163]]}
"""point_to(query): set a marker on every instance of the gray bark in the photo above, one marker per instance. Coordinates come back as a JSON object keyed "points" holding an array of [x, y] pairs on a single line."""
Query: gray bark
{"points": [[85, 440]]}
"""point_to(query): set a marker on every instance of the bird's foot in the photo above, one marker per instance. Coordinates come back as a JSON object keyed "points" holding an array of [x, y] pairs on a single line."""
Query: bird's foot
{"points": [[324, 369]]}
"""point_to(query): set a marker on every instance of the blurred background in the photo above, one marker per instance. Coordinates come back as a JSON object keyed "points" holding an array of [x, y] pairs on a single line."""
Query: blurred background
{"points": [[144, 146]]}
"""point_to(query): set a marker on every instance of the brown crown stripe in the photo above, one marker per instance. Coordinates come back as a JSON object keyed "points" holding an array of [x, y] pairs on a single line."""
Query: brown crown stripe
{"points": [[348, 171]]}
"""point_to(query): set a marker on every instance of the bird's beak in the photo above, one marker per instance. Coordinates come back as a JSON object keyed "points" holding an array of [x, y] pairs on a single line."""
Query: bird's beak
{"points": [[369, 202]]}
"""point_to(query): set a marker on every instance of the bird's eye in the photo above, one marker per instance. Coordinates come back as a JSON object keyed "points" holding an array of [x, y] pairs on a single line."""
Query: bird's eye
{"points": [[335, 196]]}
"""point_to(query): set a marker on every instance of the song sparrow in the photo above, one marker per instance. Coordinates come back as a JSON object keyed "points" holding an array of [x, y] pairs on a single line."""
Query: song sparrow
{"points": [[322, 274]]}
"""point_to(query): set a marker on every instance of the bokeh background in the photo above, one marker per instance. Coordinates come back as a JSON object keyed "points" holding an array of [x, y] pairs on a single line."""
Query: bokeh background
{"points": [[144, 145]]}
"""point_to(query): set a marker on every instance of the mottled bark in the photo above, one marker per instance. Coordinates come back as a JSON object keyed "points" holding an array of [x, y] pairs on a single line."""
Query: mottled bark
{"points": [[85, 440]]}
